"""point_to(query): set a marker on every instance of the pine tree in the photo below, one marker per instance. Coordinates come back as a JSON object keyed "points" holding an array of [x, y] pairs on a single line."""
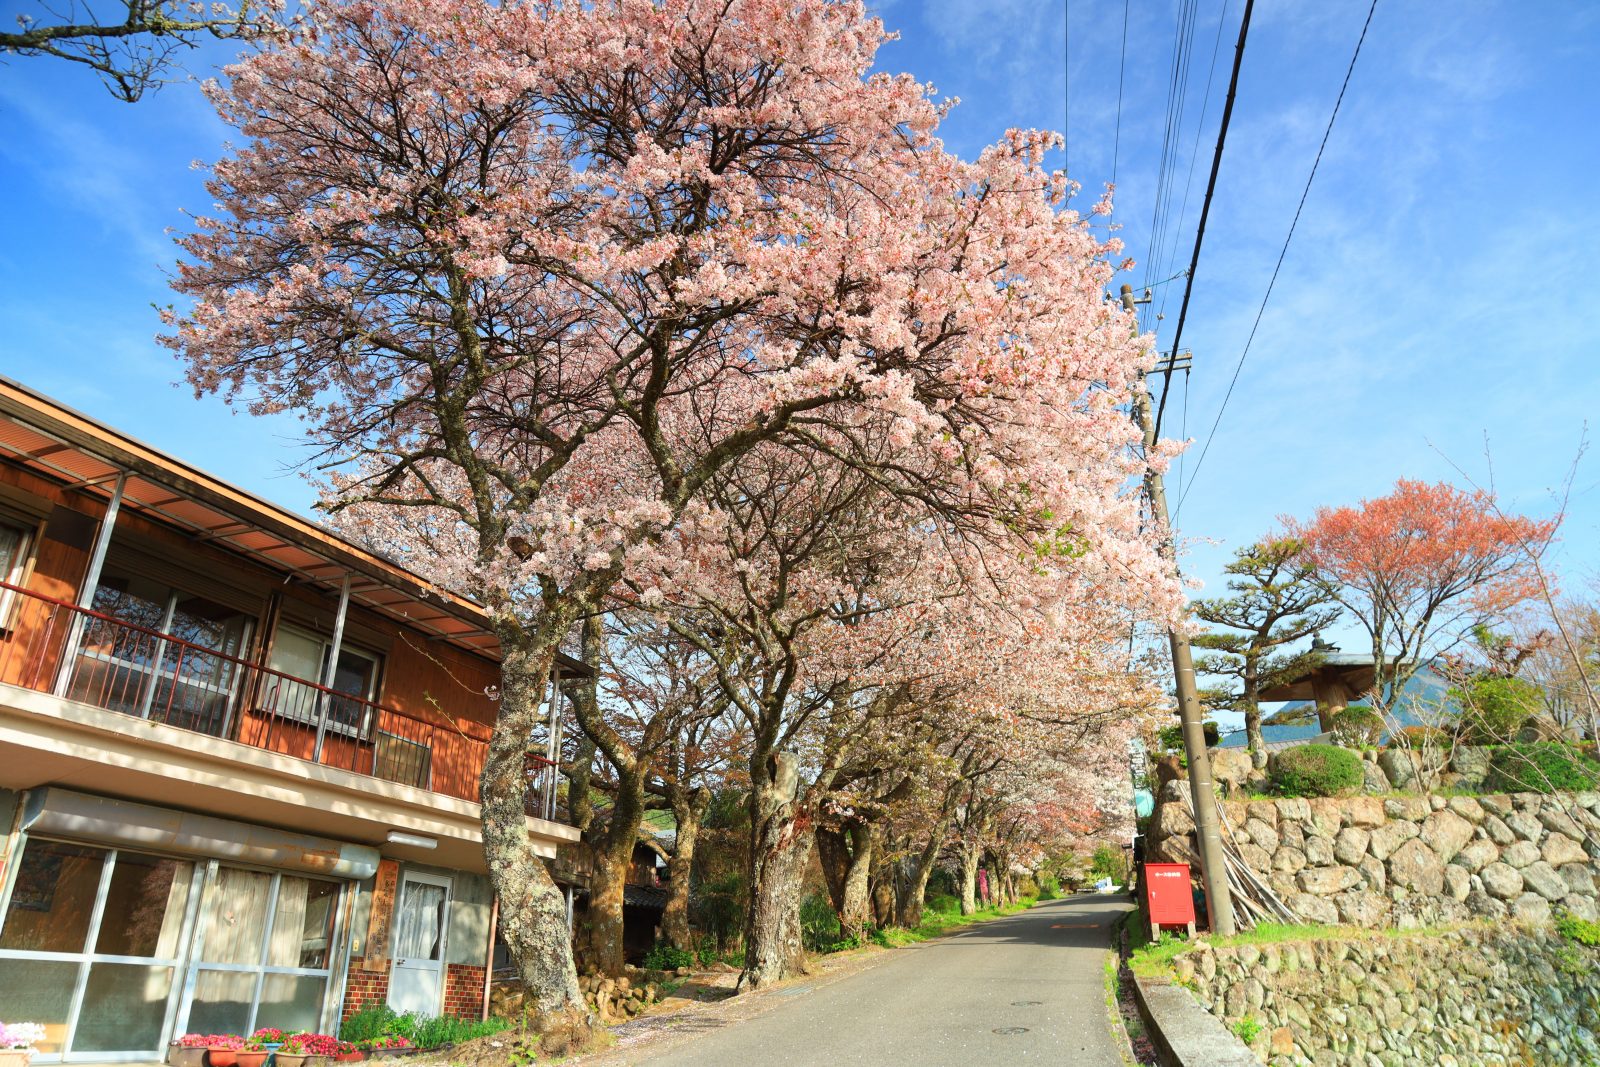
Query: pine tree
{"points": [[1276, 599]]}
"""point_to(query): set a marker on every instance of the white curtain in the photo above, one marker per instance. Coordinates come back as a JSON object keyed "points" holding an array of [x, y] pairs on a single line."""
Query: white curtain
{"points": [[236, 916], [420, 922]]}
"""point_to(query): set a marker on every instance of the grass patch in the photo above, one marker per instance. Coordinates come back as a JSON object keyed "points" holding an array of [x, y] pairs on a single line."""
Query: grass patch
{"points": [[942, 915]]}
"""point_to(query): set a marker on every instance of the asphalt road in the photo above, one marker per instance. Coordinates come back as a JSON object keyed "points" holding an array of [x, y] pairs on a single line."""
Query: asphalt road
{"points": [[1029, 988]]}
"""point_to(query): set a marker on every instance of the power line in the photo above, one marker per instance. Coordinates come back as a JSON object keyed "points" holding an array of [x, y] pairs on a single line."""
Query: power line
{"points": [[1122, 66], [1212, 436], [1205, 207], [1194, 156]]}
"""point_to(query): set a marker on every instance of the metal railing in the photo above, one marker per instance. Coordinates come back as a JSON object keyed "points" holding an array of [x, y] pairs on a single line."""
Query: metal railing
{"points": [[54, 646]]}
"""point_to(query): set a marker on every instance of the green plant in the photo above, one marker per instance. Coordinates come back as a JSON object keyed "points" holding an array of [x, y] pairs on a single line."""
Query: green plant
{"points": [[1582, 931], [372, 1021], [1423, 737], [1494, 706], [1170, 738], [1247, 1029], [665, 957], [1315, 771], [1357, 726], [441, 1030], [1541, 767], [819, 924]]}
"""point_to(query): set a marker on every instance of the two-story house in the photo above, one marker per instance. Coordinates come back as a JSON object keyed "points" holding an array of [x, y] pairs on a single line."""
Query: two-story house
{"points": [[239, 757]]}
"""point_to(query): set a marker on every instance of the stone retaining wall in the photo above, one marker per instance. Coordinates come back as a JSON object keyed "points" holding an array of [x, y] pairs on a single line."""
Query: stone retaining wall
{"points": [[1412, 860], [1472, 996]]}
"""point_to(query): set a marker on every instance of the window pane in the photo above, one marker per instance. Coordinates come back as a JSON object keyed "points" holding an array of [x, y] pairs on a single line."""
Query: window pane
{"points": [[124, 1007], [53, 898], [419, 922], [236, 916], [137, 600], [291, 1002], [144, 907], [222, 1002], [302, 928], [299, 655], [38, 991]]}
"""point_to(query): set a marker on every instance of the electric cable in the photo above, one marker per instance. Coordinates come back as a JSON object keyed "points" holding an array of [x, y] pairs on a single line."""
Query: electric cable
{"points": [[1212, 435]]}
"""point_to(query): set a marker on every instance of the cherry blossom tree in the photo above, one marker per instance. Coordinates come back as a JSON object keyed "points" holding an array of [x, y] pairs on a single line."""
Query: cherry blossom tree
{"points": [[535, 275]]}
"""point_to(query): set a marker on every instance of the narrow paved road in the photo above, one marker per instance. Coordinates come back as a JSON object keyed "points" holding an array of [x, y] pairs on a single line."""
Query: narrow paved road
{"points": [[1029, 988]]}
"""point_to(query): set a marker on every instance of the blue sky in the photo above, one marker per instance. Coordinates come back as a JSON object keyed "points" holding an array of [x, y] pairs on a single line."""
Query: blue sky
{"points": [[1437, 291]]}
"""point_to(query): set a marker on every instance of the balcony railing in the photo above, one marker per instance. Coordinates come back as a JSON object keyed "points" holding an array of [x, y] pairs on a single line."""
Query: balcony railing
{"points": [[52, 645]]}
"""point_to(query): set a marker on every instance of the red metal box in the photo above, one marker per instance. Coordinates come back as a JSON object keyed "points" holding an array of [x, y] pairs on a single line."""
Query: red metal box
{"points": [[1168, 900]]}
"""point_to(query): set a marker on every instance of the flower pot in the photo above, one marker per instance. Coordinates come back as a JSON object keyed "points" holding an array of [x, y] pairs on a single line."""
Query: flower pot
{"points": [[314, 1061], [223, 1057], [283, 1059], [15, 1057], [350, 1057], [181, 1056], [250, 1057]]}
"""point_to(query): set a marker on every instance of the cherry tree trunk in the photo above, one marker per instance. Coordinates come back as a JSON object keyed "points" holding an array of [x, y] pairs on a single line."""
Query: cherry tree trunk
{"points": [[781, 835], [855, 909], [969, 878], [914, 894], [613, 856], [833, 856], [882, 888], [680, 869], [533, 914]]}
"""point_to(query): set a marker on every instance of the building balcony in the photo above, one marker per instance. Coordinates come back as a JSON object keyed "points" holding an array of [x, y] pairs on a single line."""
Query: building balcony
{"points": [[173, 680]]}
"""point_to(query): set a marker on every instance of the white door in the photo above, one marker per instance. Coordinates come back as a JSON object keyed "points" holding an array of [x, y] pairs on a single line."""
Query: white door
{"points": [[416, 981]]}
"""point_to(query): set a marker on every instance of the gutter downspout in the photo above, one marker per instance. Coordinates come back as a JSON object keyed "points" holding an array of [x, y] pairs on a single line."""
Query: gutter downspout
{"points": [[488, 960]]}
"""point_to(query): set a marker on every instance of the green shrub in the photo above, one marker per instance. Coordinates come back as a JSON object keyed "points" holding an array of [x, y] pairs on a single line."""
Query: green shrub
{"points": [[665, 957], [374, 1020], [1582, 931], [1357, 726], [1493, 708], [1170, 738], [819, 924], [444, 1030], [1541, 767], [1420, 737], [1315, 771], [1247, 1029]]}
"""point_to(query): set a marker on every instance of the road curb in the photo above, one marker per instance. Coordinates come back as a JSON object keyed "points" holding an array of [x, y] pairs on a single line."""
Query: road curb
{"points": [[1184, 1033]]}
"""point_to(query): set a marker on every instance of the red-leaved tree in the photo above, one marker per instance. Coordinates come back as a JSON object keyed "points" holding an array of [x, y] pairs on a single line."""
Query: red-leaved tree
{"points": [[1421, 568]]}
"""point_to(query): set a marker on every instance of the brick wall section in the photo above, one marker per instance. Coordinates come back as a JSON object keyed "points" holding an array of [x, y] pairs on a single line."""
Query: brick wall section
{"points": [[362, 988], [463, 990]]}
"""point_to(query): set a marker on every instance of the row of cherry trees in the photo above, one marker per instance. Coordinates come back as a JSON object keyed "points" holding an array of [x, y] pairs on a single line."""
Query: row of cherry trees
{"points": [[672, 324]]}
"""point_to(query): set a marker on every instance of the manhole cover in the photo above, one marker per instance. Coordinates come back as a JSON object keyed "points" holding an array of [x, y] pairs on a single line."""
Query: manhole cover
{"points": [[1026, 1003], [1009, 1030]]}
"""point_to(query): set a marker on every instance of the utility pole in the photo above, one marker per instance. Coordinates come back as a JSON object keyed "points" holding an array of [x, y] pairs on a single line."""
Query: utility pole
{"points": [[1219, 901]]}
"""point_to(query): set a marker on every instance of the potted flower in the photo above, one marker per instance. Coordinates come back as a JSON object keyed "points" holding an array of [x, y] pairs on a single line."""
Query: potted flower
{"points": [[255, 1051], [17, 1041], [321, 1049], [189, 1050], [291, 1052], [223, 1049], [268, 1037], [349, 1052]]}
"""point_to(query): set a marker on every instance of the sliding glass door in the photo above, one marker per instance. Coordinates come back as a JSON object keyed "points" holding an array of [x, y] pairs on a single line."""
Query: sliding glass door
{"points": [[115, 951], [91, 944], [264, 953]]}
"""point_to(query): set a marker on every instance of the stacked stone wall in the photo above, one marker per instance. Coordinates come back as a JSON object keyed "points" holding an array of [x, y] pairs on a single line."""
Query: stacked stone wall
{"points": [[1407, 861], [1467, 997]]}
